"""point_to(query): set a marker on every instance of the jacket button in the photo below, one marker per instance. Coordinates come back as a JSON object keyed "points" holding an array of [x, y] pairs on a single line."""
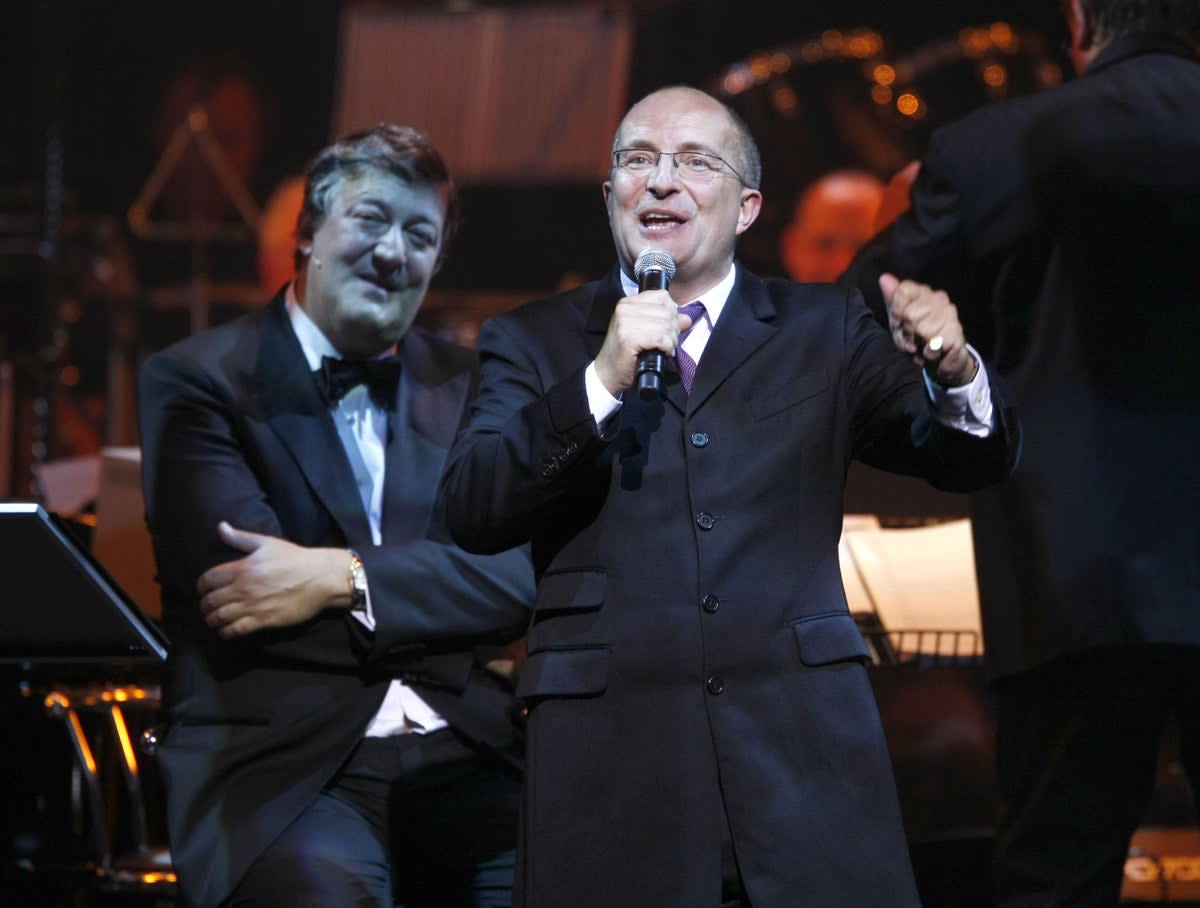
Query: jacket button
{"points": [[699, 440], [710, 603], [705, 520], [715, 685]]}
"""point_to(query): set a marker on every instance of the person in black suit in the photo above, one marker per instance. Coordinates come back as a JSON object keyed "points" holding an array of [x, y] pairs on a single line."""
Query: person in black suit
{"points": [[701, 724], [337, 728], [1065, 224]]}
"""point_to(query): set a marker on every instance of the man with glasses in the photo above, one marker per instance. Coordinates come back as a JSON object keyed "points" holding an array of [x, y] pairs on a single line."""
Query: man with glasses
{"points": [[701, 726]]}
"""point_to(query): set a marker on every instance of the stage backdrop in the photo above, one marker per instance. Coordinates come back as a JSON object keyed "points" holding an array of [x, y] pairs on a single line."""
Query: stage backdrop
{"points": [[508, 95]]}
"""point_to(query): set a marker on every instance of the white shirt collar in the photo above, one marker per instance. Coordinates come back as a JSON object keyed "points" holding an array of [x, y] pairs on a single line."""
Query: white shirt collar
{"points": [[312, 341], [714, 298]]}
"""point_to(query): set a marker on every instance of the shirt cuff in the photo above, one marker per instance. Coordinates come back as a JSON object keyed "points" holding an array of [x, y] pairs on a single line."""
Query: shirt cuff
{"points": [[968, 408], [601, 404], [366, 615]]}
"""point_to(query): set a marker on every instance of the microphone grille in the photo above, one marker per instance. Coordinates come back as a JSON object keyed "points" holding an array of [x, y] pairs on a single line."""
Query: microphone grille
{"points": [[652, 259]]}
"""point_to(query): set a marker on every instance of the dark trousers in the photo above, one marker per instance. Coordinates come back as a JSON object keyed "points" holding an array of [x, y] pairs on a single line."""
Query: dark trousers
{"points": [[1077, 745], [419, 821]]}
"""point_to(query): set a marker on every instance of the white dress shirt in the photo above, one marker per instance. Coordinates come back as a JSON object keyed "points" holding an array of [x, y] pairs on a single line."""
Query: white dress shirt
{"points": [[362, 427]]}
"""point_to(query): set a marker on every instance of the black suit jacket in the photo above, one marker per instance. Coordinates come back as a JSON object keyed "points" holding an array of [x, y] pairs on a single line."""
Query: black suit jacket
{"points": [[691, 654], [1066, 226], [234, 428]]}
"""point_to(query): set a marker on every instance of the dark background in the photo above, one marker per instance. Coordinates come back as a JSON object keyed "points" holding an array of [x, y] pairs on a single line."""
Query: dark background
{"points": [[90, 72]]}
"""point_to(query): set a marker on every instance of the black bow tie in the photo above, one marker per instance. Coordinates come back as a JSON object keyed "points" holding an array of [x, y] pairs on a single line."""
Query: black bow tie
{"points": [[381, 376]]}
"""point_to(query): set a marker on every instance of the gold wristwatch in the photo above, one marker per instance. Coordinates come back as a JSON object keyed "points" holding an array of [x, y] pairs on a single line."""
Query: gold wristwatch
{"points": [[358, 583]]}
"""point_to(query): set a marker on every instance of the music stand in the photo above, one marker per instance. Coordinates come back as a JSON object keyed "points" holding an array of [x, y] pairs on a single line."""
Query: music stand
{"points": [[63, 607]]}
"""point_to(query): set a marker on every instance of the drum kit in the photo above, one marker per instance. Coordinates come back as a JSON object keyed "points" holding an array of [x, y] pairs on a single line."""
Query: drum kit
{"points": [[845, 98]]}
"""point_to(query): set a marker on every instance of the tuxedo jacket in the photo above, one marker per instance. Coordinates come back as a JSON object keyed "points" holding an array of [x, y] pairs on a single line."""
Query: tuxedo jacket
{"points": [[233, 428], [692, 661], [1065, 225]]}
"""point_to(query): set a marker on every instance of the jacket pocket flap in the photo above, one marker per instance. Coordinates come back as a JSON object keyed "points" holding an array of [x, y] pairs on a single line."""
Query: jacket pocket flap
{"points": [[564, 673], [773, 400], [572, 590], [825, 639]]}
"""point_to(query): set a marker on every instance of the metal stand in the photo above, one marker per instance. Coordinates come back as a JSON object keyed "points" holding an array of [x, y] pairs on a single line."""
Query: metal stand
{"points": [[66, 615], [197, 231]]}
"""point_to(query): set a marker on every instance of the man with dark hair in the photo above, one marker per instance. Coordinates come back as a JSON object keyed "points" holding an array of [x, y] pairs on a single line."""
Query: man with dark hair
{"points": [[336, 732], [702, 728], [1066, 225]]}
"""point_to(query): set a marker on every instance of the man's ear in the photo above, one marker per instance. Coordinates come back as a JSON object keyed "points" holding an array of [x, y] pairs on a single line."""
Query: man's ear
{"points": [[1083, 30], [748, 208]]}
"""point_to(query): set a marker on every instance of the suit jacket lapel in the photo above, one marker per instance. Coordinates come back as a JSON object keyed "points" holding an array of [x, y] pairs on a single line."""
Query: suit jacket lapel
{"points": [[746, 323], [600, 310], [421, 432], [293, 407]]}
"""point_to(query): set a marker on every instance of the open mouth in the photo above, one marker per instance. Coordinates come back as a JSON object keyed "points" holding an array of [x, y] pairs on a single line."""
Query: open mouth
{"points": [[655, 221]]}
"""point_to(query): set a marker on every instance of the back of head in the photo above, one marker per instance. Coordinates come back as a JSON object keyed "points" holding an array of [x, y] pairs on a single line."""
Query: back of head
{"points": [[1112, 19], [831, 220], [399, 150]]}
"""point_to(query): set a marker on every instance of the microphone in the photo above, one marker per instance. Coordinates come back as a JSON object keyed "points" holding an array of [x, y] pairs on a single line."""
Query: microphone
{"points": [[653, 270]]}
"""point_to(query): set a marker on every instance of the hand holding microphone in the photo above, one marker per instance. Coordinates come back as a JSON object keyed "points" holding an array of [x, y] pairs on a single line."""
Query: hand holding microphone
{"points": [[653, 270]]}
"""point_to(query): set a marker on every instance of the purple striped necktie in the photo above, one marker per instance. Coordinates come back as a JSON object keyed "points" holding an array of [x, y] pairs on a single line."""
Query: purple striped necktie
{"points": [[687, 365]]}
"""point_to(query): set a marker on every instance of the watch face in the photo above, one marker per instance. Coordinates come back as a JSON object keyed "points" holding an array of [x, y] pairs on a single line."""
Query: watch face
{"points": [[358, 582]]}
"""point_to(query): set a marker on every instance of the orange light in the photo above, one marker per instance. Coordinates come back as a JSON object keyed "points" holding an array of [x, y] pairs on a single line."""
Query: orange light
{"points": [[85, 752], [197, 120], [736, 82], [833, 39], [780, 63], [123, 739], [995, 75], [908, 104], [1050, 74], [884, 74], [975, 42], [812, 52], [881, 94], [785, 100], [1003, 36], [861, 47], [760, 67]]}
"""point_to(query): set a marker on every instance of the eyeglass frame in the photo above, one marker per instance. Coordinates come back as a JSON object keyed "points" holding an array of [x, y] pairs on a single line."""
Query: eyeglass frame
{"points": [[658, 156]]}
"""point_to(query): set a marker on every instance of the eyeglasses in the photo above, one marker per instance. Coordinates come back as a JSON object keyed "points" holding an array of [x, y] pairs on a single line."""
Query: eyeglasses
{"points": [[693, 166]]}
